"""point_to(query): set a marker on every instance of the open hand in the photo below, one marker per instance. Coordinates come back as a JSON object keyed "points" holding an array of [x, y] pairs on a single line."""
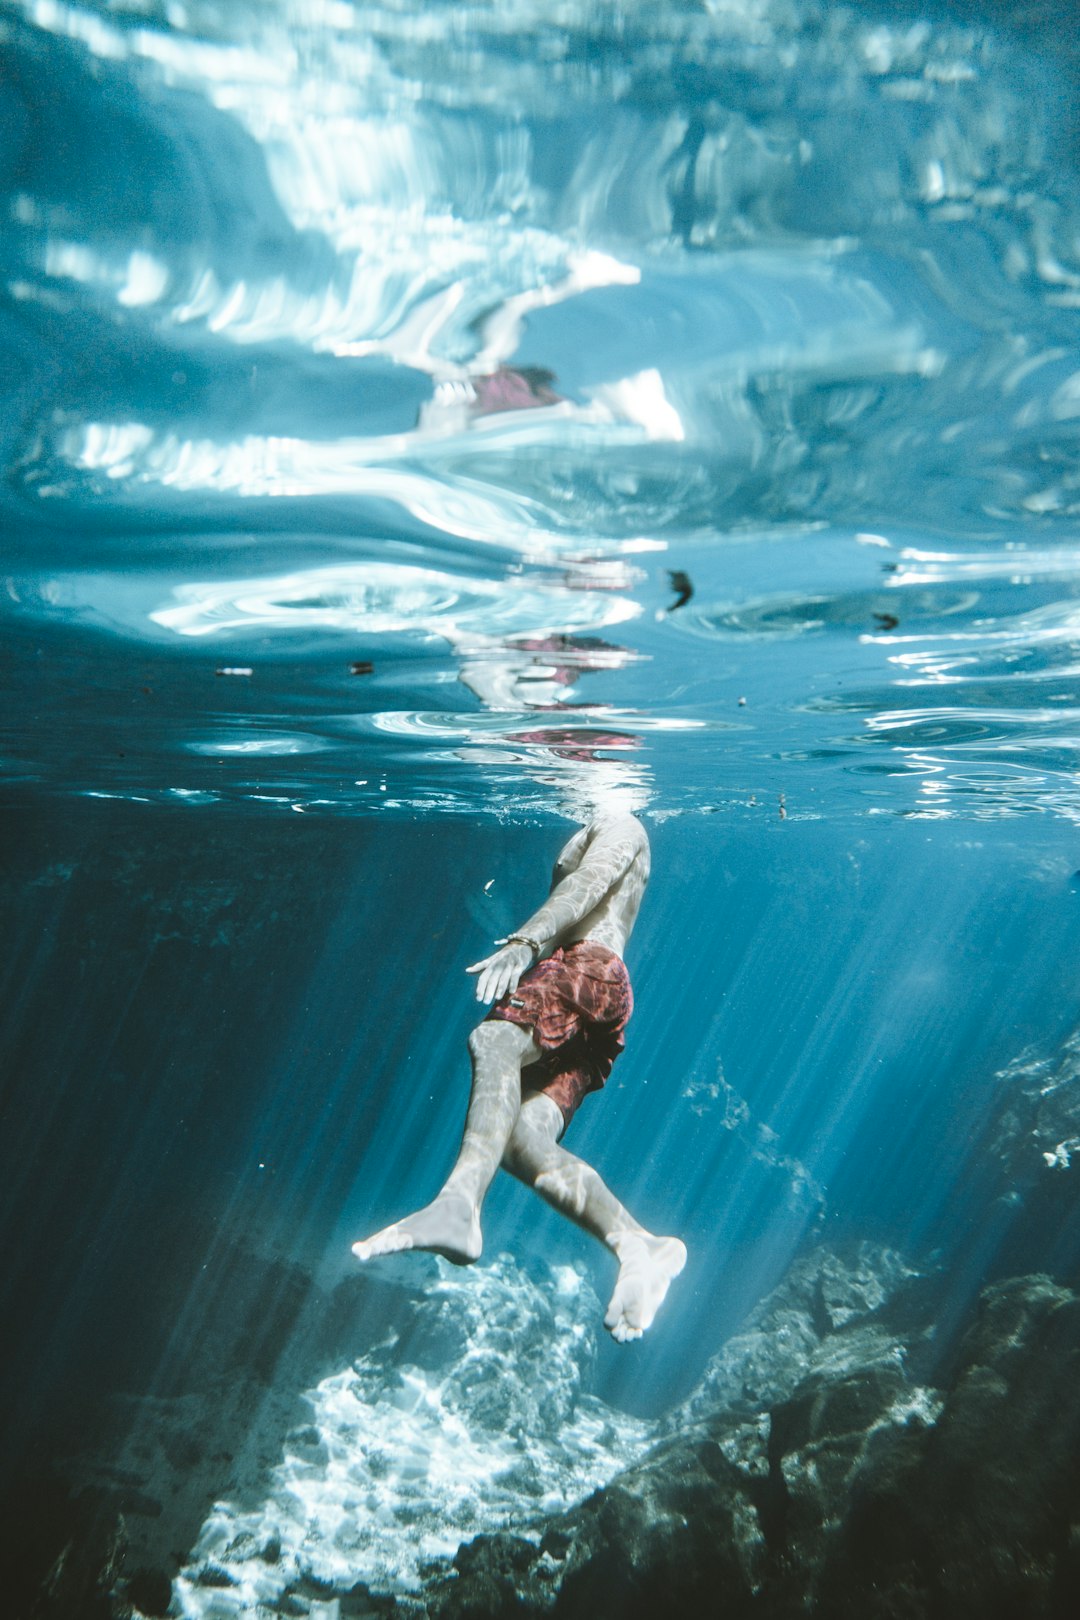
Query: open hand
{"points": [[500, 972]]}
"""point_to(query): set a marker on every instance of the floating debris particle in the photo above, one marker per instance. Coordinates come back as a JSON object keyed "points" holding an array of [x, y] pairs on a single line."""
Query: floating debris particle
{"points": [[234, 669], [361, 666], [681, 585]]}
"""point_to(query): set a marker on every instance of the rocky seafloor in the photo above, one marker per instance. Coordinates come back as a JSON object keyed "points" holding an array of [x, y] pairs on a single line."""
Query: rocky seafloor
{"points": [[828, 1464], [832, 1479], [873, 1443]]}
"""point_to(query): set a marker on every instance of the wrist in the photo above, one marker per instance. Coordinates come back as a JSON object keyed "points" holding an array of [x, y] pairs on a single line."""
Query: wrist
{"points": [[525, 939]]}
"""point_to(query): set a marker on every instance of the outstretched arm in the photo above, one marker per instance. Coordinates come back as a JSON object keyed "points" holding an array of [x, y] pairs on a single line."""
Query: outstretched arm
{"points": [[607, 858]]}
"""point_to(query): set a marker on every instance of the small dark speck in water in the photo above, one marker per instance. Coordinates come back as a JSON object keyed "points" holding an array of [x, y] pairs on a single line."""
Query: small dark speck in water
{"points": [[680, 584]]}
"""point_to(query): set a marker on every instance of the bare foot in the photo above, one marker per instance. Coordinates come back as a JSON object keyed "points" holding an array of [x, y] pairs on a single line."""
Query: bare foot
{"points": [[449, 1226], [647, 1267]]}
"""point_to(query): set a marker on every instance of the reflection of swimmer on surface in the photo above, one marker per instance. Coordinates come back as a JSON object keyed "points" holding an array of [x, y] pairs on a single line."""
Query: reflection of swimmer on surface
{"points": [[514, 388], [578, 743], [471, 399], [575, 653], [534, 672], [456, 403], [561, 1000], [488, 385]]}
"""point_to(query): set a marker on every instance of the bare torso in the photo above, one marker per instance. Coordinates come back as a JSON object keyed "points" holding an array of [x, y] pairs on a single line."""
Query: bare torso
{"points": [[596, 891], [623, 847]]}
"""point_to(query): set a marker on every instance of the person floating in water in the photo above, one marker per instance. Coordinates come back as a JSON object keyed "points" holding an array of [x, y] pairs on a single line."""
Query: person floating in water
{"points": [[561, 1000]]}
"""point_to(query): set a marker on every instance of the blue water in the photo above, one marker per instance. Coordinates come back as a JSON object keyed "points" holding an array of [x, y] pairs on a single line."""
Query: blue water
{"points": [[425, 425]]}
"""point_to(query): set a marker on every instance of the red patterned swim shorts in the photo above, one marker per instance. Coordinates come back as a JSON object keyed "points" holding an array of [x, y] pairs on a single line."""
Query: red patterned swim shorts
{"points": [[577, 1002]]}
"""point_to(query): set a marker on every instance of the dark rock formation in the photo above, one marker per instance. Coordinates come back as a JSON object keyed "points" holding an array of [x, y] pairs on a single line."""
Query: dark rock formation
{"points": [[975, 1514], [62, 1550], [1038, 1126], [827, 1311], [1025, 1164], [103, 1513], [816, 1473]]}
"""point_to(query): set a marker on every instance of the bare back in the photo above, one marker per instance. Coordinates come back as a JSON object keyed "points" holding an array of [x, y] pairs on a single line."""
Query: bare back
{"points": [[615, 853]]}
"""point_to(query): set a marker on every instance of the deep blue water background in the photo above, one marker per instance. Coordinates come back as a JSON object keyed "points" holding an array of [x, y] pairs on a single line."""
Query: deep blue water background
{"points": [[807, 282]]}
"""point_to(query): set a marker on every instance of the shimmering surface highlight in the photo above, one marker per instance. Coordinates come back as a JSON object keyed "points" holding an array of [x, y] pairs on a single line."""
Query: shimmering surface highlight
{"points": [[746, 330]]}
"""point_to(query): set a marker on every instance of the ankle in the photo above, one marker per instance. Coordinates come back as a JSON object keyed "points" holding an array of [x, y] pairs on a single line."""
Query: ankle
{"points": [[464, 1192], [626, 1238]]}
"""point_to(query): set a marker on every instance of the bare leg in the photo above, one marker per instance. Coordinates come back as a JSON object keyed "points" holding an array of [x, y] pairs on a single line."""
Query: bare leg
{"points": [[647, 1264], [450, 1224]]}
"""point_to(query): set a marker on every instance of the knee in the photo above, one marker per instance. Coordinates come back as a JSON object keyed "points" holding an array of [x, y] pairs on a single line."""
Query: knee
{"points": [[516, 1159], [527, 1161], [494, 1039], [529, 1154]]}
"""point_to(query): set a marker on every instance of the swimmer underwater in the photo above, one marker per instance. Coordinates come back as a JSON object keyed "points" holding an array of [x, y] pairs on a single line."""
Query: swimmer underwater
{"points": [[561, 999]]}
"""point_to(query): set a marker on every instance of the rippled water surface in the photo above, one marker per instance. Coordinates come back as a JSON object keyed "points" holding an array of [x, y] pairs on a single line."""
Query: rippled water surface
{"points": [[428, 408]]}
